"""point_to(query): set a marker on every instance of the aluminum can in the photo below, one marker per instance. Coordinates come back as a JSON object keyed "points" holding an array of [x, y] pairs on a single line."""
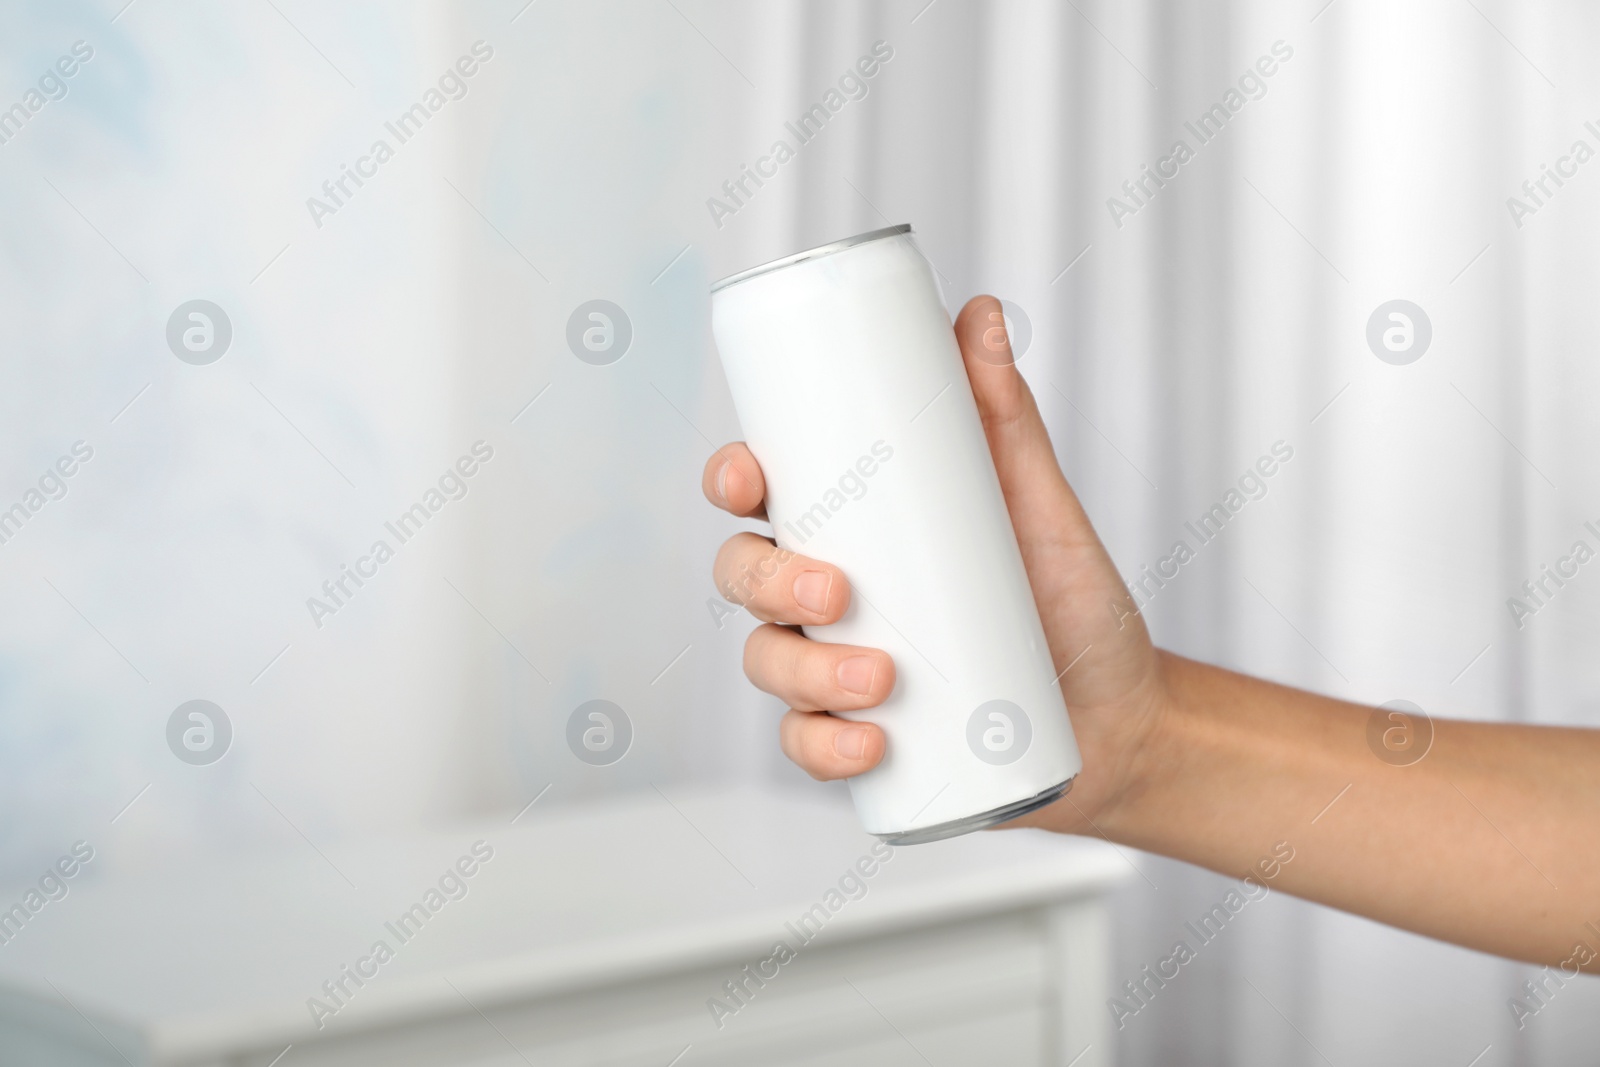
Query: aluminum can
{"points": [[852, 395]]}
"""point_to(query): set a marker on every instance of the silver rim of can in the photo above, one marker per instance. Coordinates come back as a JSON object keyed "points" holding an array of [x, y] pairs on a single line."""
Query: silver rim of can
{"points": [[813, 253], [981, 821]]}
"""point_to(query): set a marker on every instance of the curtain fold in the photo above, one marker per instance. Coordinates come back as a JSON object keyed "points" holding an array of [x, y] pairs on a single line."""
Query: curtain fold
{"points": [[1176, 343]]}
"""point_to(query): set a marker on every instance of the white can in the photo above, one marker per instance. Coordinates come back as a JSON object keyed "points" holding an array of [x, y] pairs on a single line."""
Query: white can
{"points": [[852, 394]]}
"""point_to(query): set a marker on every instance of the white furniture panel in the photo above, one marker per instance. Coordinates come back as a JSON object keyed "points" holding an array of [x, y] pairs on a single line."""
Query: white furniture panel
{"points": [[594, 935]]}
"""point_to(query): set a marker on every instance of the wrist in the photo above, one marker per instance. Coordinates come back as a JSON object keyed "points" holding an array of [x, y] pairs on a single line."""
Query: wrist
{"points": [[1154, 750]]}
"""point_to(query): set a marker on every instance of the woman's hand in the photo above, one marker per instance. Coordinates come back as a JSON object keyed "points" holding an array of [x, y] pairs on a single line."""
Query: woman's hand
{"points": [[1113, 677], [1469, 842]]}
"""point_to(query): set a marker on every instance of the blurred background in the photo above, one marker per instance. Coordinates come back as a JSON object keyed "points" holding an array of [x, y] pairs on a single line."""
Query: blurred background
{"points": [[360, 336]]}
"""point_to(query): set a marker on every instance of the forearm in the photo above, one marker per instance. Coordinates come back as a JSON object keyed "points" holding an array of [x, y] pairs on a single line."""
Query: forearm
{"points": [[1491, 840]]}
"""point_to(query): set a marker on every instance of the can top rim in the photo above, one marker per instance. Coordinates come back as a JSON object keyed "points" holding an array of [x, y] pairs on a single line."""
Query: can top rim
{"points": [[812, 253]]}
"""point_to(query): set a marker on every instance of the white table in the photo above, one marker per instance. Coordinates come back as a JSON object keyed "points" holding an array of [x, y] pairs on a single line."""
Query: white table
{"points": [[596, 934]]}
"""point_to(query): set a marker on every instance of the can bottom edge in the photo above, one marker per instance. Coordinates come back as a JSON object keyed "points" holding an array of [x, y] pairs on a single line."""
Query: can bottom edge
{"points": [[967, 824]]}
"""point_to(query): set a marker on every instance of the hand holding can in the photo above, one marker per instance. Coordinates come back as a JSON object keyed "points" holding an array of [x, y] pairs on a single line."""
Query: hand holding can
{"points": [[852, 391]]}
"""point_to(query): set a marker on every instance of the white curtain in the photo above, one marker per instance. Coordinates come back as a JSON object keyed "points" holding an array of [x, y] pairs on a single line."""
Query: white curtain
{"points": [[1176, 343]]}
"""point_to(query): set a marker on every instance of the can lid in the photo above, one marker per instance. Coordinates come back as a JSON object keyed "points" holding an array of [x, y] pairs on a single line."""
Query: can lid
{"points": [[813, 253]]}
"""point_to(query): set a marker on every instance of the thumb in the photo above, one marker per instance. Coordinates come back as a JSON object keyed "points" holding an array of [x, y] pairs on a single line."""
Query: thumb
{"points": [[1036, 491], [1082, 601]]}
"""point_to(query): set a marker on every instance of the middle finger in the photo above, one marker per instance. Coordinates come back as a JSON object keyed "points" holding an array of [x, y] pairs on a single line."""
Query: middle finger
{"points": [[815, 676], [778, 585]]}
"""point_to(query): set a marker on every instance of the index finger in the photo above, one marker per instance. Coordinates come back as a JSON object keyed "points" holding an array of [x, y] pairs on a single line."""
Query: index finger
{"points": [[733, 482]]}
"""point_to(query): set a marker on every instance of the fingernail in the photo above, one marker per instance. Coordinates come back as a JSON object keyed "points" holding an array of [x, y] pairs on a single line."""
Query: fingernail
{"points": [[811, 590], [851, 743], [722, 482], [856, 673]]}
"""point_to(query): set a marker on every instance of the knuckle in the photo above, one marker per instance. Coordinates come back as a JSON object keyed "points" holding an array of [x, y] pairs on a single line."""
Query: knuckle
{"points": [[743, 567], [798, 672], [723, 568], [792, 741], [817, 749], [822, 672], [760, 576], [878, 687], [758, 653], [808, 744]]}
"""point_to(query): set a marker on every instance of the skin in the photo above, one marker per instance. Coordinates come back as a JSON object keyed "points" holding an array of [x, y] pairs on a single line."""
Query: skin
{"points": [[1489, 840]]}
